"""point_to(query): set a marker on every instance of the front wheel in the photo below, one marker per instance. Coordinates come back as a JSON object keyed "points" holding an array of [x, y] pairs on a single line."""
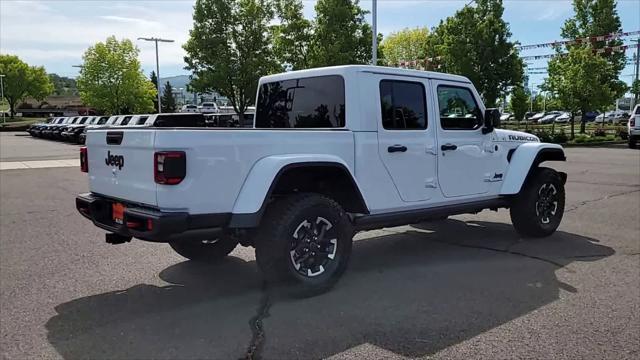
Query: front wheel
{"points": [[205, 250], [304, 241], [538, 209]]}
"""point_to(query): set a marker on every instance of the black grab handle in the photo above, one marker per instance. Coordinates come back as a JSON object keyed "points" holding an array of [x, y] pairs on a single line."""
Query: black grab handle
{"points": [[397, 148], [446, 147]]}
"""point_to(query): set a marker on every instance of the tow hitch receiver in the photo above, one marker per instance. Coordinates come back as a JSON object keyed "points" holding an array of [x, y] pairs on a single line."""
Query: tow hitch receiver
{"points": [[115, 239]]}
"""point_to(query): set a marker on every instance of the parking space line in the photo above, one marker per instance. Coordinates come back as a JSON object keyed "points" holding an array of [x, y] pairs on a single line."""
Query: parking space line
{"points": [[38, 164]]}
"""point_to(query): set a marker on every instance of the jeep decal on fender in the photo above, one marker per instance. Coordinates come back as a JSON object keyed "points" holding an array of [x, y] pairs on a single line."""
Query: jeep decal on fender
{"points": [[114, 160]]}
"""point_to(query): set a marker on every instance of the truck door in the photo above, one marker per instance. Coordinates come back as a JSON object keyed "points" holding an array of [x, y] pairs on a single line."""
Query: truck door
{"points": [[406, 139], [463, 150]]}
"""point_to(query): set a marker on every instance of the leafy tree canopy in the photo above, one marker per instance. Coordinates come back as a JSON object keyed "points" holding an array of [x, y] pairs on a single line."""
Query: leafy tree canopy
{"points": [[228, 48], [111, 79], [404, 45], [63, 85], [475, 42], [519, 102], [292, 36], [21, 81], [341, 36]]}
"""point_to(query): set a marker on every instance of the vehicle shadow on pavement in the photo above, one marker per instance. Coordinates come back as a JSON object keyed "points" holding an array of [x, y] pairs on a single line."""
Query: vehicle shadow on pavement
{"points": [[411, 292]]}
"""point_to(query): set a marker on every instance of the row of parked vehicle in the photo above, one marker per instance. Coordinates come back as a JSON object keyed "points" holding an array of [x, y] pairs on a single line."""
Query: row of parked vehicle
{"points": [[564, 117], [74, 128]]}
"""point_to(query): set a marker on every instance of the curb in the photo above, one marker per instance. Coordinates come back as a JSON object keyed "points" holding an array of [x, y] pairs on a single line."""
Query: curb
{"points": [[596, 144]]}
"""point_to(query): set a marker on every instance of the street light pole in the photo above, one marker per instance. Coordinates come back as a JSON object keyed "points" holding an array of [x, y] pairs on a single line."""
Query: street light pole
{"points": [[374, 33], [156, 40], [2, 94]]}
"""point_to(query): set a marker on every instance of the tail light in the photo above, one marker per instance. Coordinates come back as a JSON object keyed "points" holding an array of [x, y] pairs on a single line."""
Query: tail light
{"points": [[170, 167], [84, 160], [632, 121]]}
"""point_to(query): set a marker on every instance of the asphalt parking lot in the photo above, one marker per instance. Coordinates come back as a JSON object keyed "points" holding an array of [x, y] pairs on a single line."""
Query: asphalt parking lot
{"points": [[465, 288]]}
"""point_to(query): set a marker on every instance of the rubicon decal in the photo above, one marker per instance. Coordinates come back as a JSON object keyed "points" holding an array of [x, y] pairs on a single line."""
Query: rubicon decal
{"points": [[522, 138], [114, 160]]}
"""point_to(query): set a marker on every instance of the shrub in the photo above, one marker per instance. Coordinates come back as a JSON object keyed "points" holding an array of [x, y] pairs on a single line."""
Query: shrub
{"points": [[581, 139], [599, 132], [621, 132], [543, 135], [560, 137]]}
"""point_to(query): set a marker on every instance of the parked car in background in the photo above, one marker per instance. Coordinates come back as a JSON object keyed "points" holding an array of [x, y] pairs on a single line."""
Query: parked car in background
{"points": [[549, 117], [535, 118], [606, 117], [99, 121], [612, 117], [34, 130], [633, 127], [189, 108], [565, 117], [208, 108], [506, 117]]}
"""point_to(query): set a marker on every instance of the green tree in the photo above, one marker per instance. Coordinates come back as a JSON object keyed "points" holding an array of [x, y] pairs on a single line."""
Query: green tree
{"points": [[292, 36], [229, 48], [586, 81], [340, 34], [21, 81], [475, 42], [154, 80], [406, 45], [519, 102], [635, 90], [581, 82], [168, 100], [111, 79]]}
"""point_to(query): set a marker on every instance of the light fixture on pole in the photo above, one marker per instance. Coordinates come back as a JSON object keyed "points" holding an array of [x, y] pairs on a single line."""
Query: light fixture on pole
{"points": [[156, 40]]}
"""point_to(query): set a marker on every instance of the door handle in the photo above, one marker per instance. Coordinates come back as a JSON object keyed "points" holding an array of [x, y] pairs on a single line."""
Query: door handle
{"points": [[447, 147], [397, 148]]}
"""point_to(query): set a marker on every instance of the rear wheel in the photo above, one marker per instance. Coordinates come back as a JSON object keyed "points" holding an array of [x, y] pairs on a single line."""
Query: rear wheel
{"points": [[538, 209], [205, 250], [304, 241], [632, 142]]}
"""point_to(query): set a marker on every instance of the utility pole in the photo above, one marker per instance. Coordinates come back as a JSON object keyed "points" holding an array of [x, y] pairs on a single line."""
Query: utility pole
{"points": [[635, 97], [156, 40], [2, 94], [374, 32]]}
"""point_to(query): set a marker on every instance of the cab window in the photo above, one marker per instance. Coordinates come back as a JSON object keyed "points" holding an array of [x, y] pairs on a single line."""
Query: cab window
{"points": [[125, 121], [458, 109], [403, 105], [314, 102]]}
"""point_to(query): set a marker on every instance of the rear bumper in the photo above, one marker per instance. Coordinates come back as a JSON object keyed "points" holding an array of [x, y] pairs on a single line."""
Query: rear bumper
{"points": [[150, 224]]}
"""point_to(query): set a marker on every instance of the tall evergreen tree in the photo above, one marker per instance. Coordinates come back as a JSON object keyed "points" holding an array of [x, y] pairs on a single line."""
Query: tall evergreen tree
{"points": [[341, 35], [168, 100], [154, 80]]}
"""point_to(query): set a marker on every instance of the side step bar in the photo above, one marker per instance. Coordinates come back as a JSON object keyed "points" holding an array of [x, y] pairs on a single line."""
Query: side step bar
{"points": [[378, 221]]}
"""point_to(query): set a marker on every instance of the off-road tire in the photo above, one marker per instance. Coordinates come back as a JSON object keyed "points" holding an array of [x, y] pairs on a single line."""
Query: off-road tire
{"points": [[205, 251], [538, 209], [632, 143], [284, 231]]}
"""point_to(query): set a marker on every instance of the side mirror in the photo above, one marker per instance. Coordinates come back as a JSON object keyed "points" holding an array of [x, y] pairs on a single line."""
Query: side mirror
{"points": [[491, 120]]}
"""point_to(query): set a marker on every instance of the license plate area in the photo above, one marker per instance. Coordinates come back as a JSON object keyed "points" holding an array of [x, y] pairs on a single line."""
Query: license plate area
{"points": [[117, 213]]}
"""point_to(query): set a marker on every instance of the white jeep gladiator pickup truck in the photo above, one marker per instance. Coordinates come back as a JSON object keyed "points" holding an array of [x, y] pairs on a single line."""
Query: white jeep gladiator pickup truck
{"points": [[333, 151]]}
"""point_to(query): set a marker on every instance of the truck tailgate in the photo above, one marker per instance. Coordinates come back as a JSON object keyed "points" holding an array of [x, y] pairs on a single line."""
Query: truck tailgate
{"points": [[121, 164]]}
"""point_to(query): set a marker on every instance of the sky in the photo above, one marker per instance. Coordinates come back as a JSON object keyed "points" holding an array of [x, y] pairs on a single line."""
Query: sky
{"points": [[55, 33]]}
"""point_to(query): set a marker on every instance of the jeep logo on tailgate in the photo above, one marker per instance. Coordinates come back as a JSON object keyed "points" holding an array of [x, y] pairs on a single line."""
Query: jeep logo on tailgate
{"points": [[114, 160]]}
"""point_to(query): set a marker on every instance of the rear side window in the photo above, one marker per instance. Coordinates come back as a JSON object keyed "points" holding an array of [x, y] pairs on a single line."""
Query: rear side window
{"points": [[637, 110], [458, 109], [316, 102], [103, 120], [403, 105], [83, 120], [125, 121]]}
